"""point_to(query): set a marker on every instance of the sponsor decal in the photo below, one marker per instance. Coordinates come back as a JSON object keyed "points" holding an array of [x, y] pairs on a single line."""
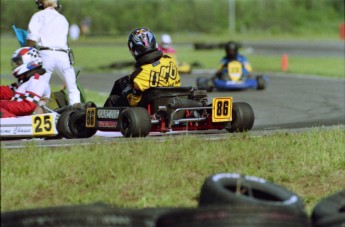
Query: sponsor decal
{"points": [[107, 124], [16, 131], [106, 113]]}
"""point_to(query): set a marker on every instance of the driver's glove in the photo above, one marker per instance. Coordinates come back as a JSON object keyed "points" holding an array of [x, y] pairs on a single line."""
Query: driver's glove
{"points": [[126, 91]]}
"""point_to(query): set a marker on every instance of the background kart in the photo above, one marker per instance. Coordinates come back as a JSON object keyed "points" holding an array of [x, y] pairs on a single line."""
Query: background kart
{"points": [[168, 109], [233, 78]]}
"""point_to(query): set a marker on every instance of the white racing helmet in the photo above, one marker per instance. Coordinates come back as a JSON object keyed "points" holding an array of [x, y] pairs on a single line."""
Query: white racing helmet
{"points": [[25, 60], [166, 41], [55, 3]]}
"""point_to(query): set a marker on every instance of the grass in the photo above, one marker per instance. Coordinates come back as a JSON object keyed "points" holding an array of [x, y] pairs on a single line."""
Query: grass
{"points": [[145, 173], [91, 54]]}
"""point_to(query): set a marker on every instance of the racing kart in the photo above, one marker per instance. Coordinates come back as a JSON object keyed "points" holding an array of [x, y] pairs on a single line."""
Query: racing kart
{"points": [[43, 123], [164, 109], [233, 78], [46, 121]]}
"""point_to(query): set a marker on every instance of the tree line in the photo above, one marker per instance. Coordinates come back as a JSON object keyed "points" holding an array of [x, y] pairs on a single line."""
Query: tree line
{"points": [[113, 17]]}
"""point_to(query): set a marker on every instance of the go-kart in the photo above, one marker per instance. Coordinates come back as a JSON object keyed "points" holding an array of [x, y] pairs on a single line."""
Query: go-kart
{"points": [[38, 125], [43, 123], [165, 109], [233, 78], [47, 121]]}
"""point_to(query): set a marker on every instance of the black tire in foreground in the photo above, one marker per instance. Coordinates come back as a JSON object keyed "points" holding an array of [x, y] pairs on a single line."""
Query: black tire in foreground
{"points": [[135, 122], [235, 189], [77, 125], [94, 215], [330, 211], [242, 117], [231, 216], [62, 125]]}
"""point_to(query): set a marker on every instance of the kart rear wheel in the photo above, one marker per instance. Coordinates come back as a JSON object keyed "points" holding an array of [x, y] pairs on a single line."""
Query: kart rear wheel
{"points": [[62, 125], [77, 125], [242, 118], [135, 122], [261, 83]]}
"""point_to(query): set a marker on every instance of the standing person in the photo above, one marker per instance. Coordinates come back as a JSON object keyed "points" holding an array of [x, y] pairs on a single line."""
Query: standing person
{"points": [[22, 98], [48, 29], [153, 69]]}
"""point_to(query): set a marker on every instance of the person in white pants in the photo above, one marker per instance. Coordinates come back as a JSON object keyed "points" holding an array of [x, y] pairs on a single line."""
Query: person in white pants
{"points": [[48, 29]]}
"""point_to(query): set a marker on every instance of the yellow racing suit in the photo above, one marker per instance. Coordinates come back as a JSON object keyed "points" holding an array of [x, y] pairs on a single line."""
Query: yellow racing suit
{"points": [[161, 73]]}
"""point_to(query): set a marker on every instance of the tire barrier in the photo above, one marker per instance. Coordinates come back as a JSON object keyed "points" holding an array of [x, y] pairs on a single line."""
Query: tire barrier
{"points": [[93, 215], [239, 215], [330, 211], [226, 199]]}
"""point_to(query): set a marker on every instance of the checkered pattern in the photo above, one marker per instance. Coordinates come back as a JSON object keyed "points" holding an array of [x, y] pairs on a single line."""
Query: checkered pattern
{"points": [[31, 97]]}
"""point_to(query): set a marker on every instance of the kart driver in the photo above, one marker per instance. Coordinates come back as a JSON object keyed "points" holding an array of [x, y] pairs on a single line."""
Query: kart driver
{"points": [[48, 29], [231, 54], [153, 69], [166, 46], [22, 98]]}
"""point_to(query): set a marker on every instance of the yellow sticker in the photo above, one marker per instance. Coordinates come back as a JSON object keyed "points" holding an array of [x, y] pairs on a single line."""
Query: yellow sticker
{"points": [[235, 70], [222, 109], [43, 124], [90, 117]]}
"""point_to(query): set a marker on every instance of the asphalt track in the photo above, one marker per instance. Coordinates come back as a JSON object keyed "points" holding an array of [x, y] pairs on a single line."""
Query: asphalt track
{"points": [[290, 102]]}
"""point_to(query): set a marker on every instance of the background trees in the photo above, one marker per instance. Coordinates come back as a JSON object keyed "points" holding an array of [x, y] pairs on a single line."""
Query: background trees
{"points": [[113, 17]]}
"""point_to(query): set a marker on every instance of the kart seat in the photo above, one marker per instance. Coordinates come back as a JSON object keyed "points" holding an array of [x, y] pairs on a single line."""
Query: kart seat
{"points": [[159, 96]]}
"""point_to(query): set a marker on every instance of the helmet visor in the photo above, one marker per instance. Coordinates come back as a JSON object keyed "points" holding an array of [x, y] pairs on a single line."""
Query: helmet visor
{"points": [[16, 62]]}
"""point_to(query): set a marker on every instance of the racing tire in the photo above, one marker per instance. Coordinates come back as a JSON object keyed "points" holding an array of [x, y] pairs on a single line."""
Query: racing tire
{"points": [[242, 118], [330, 211], [93, 215], [261, 83], [63, 126], [234, 189], [240, 215], [77, 125], [135, 122]]}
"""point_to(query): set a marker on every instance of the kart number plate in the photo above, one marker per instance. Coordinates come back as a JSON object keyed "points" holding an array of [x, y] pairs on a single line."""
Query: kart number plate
{"points": [[222, 109], [43, 124], [90, 117], [235, 70]]}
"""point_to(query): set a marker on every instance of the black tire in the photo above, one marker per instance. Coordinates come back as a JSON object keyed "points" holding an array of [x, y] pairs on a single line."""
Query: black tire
{"points": [[242, 118], [330, 211], [240, 215], [77, 125], [62, 125], [135, 122], [234, 189], [261, 83], [77, 216]]}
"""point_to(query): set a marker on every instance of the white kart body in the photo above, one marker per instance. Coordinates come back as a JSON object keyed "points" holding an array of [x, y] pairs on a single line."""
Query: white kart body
{"points": [[39, 125]]}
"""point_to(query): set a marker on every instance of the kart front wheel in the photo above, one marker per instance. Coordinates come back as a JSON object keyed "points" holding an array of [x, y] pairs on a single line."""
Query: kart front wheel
{"points": [[63, 126], [135, 122], [261, 83], [77, 125], [242, 118]]}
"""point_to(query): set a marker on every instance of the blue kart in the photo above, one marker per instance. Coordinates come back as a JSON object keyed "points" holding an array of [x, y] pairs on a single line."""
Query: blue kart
{"points": [[233, 78]]}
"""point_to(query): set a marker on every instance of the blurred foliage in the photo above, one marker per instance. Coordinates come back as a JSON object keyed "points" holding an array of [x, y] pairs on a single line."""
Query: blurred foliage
{"points": [[116, 17]]}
